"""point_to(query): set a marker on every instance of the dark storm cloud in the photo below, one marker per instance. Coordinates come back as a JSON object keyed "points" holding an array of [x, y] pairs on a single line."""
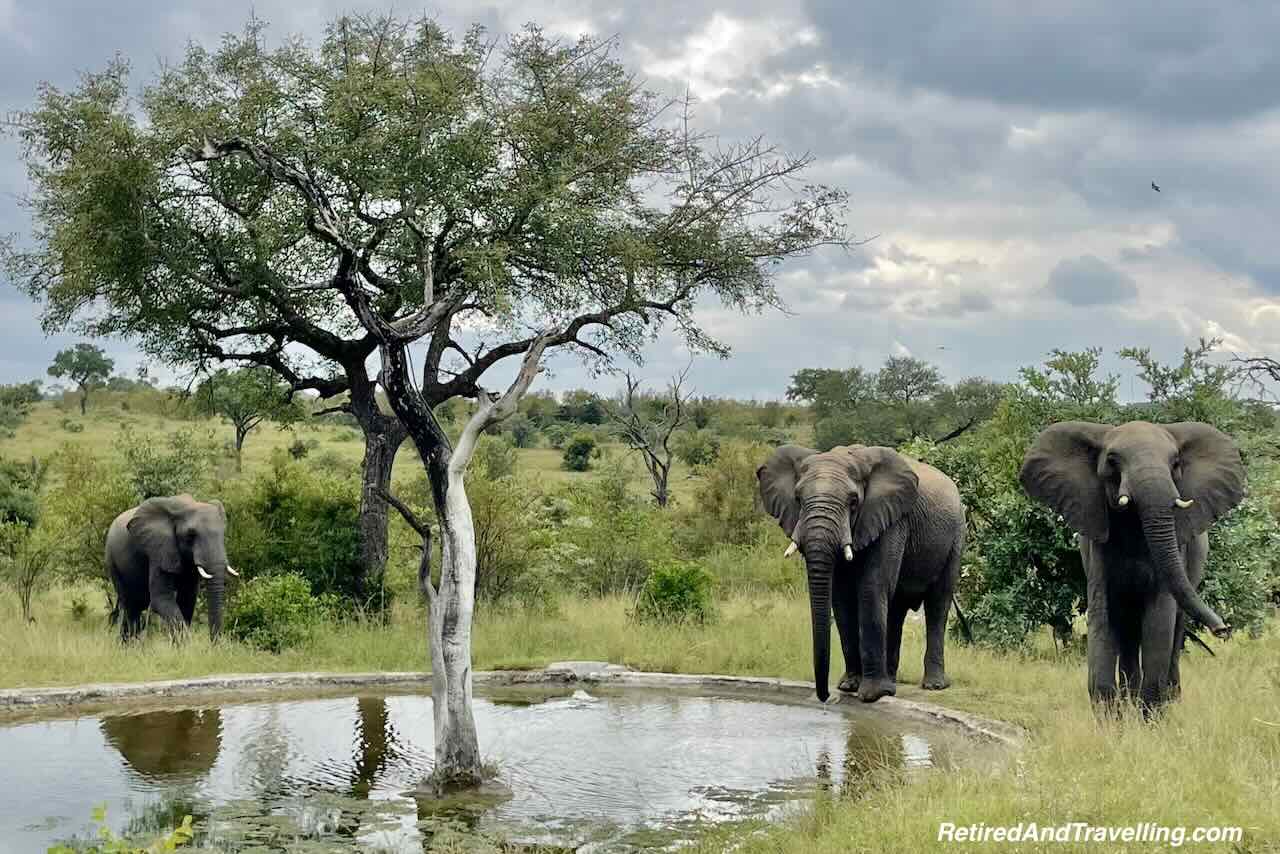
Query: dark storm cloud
{"points": [[962, 131], [1192, 61], [1089, 280]]}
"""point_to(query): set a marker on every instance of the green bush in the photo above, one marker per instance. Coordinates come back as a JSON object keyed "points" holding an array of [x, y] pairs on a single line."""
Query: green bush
{"points": [[675, 592], [19, 488], [723, 509], [293, 519], [181, 464], [494, 458], [72, 426], [695, 447], [522, 430], [579, 452], [275, 612], [300, 448]]}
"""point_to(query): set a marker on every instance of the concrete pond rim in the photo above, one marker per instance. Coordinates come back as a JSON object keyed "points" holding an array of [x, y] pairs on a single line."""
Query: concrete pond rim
{"points": [[46, 702]]}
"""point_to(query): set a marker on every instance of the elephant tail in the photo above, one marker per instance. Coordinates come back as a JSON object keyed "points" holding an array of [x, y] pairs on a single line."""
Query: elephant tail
{"points": [[964, 622], [1200, 643]]}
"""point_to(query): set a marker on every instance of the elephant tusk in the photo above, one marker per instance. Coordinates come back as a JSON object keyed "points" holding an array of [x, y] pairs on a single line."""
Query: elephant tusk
{"points": [[848, 552], [1123, 501], [1184, 503], [232, 571], [205, 575], [791, 549]]}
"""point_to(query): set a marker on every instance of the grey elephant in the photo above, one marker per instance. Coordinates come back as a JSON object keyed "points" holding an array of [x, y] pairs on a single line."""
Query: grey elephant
{"points": [[1142, 497], [158, 552], [881, 534]]}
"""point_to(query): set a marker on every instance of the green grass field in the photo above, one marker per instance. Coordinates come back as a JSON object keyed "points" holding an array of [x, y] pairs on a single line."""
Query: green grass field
{"points": [[44, 432], [1214, 759]]}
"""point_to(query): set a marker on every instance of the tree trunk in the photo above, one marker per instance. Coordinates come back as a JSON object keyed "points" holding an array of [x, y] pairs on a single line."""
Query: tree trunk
{"points": [[84, 399], [240, 434], [457, 746], [383, 437]]}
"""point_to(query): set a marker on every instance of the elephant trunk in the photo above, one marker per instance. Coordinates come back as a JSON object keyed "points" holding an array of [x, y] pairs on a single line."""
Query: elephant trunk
{"points": [[819, 571], [1156, 510], [215, 589], [824, 533]]}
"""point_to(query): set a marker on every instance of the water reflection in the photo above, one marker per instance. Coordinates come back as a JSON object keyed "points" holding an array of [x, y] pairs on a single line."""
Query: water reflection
{"points": [[166, 746], [614, 769]]}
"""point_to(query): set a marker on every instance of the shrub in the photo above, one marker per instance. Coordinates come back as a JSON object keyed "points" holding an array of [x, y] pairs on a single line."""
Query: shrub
{"points": [[26, 560], [299, 448], [557, 435], [579, 453], [274, 612], [86, 494], [675, 592], [723, 509], [72, 426], [19, 486], [291, 519], [181, 464], [522, 430], [494, 458], [695, 447]]}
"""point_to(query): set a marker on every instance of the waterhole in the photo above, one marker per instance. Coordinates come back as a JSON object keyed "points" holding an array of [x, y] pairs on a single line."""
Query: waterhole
{"points": [[607, 768]]}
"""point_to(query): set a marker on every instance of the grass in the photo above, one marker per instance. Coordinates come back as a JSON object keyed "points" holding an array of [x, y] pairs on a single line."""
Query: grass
{"points": [[43, 432], [1214, 758]]}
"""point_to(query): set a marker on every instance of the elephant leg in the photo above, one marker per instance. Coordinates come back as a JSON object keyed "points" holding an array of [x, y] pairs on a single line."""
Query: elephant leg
{"points": [[878, 577], [937, 607], [1158, 624], [893, 638], [186, 596], [1101, 646], [844, 602], [1128, 645], [164, 602]]}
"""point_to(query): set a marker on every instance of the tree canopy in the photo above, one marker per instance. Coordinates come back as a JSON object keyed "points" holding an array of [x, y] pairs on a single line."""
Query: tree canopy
{"points": [[247, 397], [85, 365]]}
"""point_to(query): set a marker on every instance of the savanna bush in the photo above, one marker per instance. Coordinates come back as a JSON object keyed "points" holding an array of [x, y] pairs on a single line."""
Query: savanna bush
{"points": [[676, 591], [579, 452], [294, 519], [184, 462], [723, 507], [275, 612], [695, 447]]}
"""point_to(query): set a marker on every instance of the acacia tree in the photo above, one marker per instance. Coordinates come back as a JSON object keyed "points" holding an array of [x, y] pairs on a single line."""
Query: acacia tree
{"points": [[398, 188], [649, 432], [85, 365], [247, 397]]}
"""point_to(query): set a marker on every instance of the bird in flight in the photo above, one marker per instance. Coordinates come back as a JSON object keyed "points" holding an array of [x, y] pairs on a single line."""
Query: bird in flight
{"points": [[1155, 186]]}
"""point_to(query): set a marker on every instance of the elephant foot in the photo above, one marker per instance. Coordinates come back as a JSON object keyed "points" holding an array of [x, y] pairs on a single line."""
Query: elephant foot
{"points": [[873, 689], [849, 683], [936, 682]]}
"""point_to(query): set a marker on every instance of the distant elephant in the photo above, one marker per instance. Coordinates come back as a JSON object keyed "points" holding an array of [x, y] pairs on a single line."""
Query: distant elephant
{"points": [[157, 553], [169, 745], [881, 534], [1142, 497]]}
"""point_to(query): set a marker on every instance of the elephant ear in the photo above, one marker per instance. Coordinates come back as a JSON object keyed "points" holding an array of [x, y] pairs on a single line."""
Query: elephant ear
{"points": [[777, 479], [1061, 470], [890, 487], [152, 525], [1212, 476]]}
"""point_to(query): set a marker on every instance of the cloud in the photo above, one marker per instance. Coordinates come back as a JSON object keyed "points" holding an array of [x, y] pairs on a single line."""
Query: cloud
{"points": [[1000, 156], [1088, 280]]}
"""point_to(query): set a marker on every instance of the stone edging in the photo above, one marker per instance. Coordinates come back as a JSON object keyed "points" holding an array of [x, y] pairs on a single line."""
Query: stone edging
{"points": [[565, 672]]}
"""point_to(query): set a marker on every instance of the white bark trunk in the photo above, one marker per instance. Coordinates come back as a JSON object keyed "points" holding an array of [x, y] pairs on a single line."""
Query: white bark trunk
{"points": [[457, 748]]}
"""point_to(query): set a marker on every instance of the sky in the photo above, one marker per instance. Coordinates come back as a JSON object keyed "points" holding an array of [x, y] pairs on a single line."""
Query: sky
{"points": [[1002, 159]]}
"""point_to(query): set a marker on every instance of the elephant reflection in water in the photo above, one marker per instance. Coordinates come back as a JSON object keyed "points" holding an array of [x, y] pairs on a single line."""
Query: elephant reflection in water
{"points": [[167, 746], [870, 753]]}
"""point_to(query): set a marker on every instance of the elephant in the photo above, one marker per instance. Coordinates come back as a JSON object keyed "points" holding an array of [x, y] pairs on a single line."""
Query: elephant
{"points": [[169, 745], [156, 554], [1141, 497], [881, 534]]}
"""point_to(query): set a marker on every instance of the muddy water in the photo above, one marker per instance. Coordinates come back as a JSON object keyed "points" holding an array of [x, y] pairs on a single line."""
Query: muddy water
{"points": [[617, 769]]}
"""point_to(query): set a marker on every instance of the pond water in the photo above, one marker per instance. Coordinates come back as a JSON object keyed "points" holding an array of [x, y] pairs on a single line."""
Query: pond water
{"points": [[613, 769]]}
